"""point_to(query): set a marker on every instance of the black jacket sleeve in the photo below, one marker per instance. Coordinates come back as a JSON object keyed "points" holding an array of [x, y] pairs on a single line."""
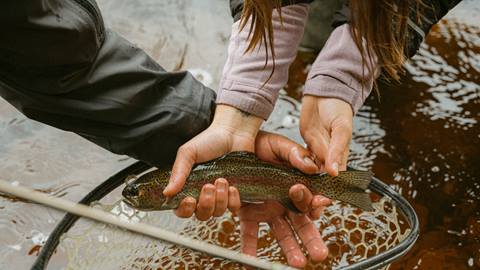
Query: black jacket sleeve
{"points": [[59, 66]]}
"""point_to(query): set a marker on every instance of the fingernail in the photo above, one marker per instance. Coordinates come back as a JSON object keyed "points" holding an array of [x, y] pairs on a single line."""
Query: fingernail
{"points": [[297, 261], [335, 166], [298, 196], [189, 206], [221, 186], [209, 191]]}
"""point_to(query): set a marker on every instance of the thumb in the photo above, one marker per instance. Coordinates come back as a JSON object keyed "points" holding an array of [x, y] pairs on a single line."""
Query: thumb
{"points": [[299, 158], [339, 145], [181, 170], [285, 150]]}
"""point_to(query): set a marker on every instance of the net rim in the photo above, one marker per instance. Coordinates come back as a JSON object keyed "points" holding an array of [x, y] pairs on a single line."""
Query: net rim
{"points": [[375, 262]]}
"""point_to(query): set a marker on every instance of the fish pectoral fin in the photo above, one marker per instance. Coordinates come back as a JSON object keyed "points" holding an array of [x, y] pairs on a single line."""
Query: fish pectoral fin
{"points": [[287, 203], [253, 201]]}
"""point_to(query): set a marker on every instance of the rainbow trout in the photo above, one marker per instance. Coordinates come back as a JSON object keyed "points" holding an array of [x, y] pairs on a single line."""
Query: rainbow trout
{"points": [[256, 181]]}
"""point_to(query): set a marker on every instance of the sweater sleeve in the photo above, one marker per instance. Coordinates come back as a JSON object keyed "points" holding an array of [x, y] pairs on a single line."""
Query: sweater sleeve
{"points": [[245, 82], [338, 71]]}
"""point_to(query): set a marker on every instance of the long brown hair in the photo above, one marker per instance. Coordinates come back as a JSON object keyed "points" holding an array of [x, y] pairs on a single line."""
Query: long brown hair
{"points": [[261, 29], [381, 23]]}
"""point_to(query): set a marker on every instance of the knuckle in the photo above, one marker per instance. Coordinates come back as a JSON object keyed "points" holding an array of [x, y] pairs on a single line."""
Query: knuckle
{"points": [[184, 150]]}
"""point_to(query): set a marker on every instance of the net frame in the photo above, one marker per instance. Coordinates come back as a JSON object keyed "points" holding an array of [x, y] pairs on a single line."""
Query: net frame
{"points": [[377, 261]]}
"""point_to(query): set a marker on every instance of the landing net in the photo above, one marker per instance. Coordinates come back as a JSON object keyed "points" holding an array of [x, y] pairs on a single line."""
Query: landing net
{"points": [[355, 238]]}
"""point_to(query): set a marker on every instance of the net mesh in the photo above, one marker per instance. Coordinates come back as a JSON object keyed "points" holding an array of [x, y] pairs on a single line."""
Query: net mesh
{"points": [[350, 234]]}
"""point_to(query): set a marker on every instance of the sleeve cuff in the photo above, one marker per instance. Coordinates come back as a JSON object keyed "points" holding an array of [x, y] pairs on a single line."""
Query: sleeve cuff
{"points": [[327, 86], [247, 98]]}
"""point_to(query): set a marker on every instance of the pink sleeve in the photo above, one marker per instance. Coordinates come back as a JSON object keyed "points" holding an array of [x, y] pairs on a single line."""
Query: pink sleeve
{"points": [[244, 74], [337, 72]]}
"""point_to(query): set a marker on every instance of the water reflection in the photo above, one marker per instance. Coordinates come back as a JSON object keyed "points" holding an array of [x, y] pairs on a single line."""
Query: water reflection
{"points": [[433, 148]]}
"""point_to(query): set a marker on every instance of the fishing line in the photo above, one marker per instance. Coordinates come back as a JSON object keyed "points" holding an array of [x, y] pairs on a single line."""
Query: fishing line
{"points": [[141, 228]]}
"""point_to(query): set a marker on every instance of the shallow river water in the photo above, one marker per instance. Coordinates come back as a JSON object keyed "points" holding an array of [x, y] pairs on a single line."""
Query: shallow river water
{"points": [[422, 136]]}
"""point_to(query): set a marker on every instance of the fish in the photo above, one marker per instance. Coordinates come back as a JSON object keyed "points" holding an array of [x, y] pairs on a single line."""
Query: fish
{"points": [[256, 180]]}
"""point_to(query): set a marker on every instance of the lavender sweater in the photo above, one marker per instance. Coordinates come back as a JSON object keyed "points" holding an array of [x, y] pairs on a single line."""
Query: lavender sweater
{"points": [[336, 72]]}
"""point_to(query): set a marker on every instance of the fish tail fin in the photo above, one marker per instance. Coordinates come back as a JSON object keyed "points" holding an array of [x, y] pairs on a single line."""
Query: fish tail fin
{"points": [[358, 182], [351, 187], [358, 198]]}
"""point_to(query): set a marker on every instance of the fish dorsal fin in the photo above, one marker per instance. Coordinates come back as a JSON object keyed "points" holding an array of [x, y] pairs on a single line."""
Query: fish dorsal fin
{"points": [[244, 156], [237, 157]]}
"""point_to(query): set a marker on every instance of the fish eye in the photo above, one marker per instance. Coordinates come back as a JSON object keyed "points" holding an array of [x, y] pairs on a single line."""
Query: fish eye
{"points": [[130, 191]]}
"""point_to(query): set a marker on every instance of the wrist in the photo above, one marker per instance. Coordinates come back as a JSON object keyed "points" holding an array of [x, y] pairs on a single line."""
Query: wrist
{"points": [[334, 104], [236, 121]]}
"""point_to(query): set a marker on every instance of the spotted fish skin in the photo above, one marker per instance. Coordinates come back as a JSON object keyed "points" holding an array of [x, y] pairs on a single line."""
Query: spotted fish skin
{"points": [[256, 181]]}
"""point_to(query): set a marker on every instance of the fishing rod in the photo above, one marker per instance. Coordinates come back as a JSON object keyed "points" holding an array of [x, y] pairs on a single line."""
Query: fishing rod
{"points": [[141, 228]]}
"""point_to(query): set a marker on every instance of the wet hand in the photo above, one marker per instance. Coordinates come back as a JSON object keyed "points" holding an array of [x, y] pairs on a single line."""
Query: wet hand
{"points": [[231, 130], [278, 149], [326, 127]]}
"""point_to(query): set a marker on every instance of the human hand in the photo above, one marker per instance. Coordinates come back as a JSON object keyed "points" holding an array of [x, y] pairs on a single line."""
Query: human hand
{"points": [[278, 149], [326, 127], [231, 130]]}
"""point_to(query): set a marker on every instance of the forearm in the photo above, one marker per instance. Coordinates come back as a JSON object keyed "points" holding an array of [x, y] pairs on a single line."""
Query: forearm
{"points": [[99, 86], [245, 81], [339, 71]]}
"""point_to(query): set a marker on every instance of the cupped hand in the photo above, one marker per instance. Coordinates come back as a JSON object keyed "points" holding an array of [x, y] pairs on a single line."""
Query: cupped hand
{"points": [[278, 149], [231, 130], [326, 127]]}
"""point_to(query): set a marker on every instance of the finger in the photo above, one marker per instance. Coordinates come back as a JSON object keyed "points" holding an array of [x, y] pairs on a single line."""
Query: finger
{"points": [[318, 205], [206, 202], [181, 169], [320, 201], [339, 143], [343, 164], [248, 236], [288, 243], [311, 238], [319, 146], [286, 150], [186, 207], [299, 158], [316, 213], [221, 197], [234, 203], [301, 197]]}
